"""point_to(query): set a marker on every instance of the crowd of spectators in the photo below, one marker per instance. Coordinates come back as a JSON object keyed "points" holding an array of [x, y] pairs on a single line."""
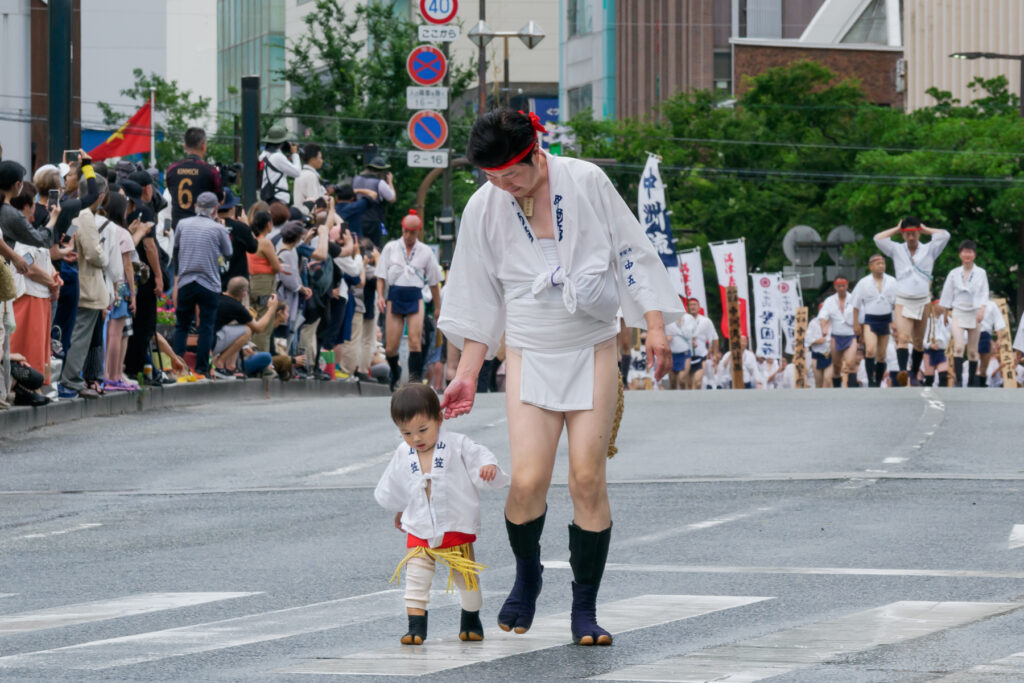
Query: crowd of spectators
{"points": [[109, 283]]}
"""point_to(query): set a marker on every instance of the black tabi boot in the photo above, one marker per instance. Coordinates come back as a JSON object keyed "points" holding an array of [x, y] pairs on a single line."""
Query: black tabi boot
{"points": [[417, 630], [880, 369], [902, 356], [851, 380], [415, 367], [588, 552], [929, 380], [396, 371], [869, 366], [521, 604], [943, 379], [624, 369], [972, 375], [837, 382], [958, 371], [915, 362], [470, 627]]}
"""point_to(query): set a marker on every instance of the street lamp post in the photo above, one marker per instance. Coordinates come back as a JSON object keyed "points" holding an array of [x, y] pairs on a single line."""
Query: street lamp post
{"points": [[481, 34], [1020, 234]]}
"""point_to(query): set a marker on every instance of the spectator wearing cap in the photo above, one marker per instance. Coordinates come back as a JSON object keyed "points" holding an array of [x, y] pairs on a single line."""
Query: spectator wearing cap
{"points": [[16, 228], [191, 177], [308, 186], [243, 242], [280, 161], [93, 300], [199, 244], [377, 178]]}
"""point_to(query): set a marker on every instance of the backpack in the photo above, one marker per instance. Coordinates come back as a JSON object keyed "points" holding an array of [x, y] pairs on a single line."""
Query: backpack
{"points": [[268, 191]]}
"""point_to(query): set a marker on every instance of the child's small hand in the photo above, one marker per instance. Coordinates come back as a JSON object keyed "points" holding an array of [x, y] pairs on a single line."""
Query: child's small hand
{"points": [[488, 472], [398, 521]]}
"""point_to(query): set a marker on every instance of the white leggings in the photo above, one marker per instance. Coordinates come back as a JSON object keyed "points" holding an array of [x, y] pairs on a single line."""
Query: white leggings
{"points": [[419, 573]]}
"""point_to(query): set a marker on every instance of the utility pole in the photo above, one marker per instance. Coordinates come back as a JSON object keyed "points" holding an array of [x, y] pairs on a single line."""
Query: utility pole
{"points": [[446, 223], [250, 138], [60, 25], [481, 66]]}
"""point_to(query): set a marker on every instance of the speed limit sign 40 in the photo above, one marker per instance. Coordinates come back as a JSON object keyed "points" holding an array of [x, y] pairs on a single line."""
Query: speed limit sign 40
{"points": [[439, 11]]}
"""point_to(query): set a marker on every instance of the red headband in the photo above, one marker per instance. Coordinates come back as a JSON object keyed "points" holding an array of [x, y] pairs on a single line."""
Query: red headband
{"points": [[537, 127], [840, 279], [916, 228]]}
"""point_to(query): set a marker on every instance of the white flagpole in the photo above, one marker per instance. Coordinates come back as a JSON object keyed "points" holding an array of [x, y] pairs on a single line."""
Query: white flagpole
{"points": [[152, 127]]}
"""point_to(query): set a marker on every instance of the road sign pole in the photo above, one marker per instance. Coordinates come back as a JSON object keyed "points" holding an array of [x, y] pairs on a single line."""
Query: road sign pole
{"points": [[447, 211]]}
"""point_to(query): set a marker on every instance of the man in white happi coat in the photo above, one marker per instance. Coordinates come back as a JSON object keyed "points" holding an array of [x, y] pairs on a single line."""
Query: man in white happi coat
{"points": [[680, 338], [406, 266], [547, 253], [836, 316], [992, 323], [964, 295], [704, 337], [873, 300], [913, 261]]}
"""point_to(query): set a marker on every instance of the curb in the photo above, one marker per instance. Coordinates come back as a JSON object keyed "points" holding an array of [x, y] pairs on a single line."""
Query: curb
{"points": [[18, 419]]}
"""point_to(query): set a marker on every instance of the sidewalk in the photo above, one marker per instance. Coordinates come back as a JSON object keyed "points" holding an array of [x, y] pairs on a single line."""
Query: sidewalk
{"points": [[18, 419]]}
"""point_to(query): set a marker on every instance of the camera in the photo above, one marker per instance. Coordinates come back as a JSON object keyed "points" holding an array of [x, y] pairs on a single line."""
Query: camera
{"points": [[229, 172]]}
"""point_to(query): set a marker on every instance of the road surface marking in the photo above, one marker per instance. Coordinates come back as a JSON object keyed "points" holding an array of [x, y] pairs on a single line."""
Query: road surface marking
{"points": [[215, 635], [101, 610], [690, 528], [355, 467], [1007, 669], [784, 651], [7, 595], [59, 532], [826, 571], [1016, 537], [893, 461], [547, 632]]}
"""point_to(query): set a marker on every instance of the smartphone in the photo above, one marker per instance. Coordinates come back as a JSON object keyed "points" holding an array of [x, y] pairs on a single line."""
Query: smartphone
{"points": [[53, 198], [71, 231], [30, 259], [71, 156], [167, 226]]}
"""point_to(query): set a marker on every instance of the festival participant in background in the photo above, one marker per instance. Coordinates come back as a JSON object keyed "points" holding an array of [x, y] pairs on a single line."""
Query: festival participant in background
{"points": [[680, 338], [913, 261], [406, 266], [837, 319], [964, 295], [873, 300], [936, 338], [548, 252], [752, 377], [705, 337], [991, 324]]}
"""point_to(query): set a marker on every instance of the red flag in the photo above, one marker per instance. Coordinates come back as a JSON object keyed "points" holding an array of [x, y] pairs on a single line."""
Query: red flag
{"points": [[131, 138]]}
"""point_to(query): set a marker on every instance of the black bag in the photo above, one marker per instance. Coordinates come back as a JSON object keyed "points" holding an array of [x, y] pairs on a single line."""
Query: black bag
{"points": [[268, 191]]}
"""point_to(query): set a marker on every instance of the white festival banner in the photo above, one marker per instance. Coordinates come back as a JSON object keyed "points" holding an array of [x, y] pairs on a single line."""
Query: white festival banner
{"points": [[791, 298], [652, 210], [731, 269], [688, 277], [767, 312]]}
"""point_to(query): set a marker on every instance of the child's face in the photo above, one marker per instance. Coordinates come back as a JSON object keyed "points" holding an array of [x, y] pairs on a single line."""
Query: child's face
{"points": [[420, 432]]}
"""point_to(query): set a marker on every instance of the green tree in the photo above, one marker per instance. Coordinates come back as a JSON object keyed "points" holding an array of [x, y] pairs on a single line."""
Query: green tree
{"points": [[348, 77], [176, 110]]}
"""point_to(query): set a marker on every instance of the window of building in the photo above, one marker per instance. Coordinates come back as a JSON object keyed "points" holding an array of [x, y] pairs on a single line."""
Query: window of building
{"points": [[870, 27], [723, 72], [581, 99], [579, 18]]}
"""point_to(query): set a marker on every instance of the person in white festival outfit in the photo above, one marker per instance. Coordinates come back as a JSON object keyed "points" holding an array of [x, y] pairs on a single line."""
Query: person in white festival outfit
{"points": [[913, 261], [936, 340], [964, 295], [406, 265], [992, 323], [548, 252], [836, 317], [819, 341], [873, 300], [704, 336], [680, 338]]}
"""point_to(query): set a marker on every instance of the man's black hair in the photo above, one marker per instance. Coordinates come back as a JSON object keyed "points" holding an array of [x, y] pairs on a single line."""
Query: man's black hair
{"points": [[498, 136], [967, 244], [309, 151], [413, 400], [194, 138], [910, 222]]}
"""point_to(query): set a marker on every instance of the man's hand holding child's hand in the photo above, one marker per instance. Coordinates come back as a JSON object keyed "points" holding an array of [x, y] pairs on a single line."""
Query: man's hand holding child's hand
{"points": [[488, 472]]}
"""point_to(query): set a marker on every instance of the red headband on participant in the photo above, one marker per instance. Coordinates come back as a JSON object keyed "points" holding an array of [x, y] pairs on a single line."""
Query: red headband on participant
{"points": [[840, 279], [916, 228], [537, 127]]}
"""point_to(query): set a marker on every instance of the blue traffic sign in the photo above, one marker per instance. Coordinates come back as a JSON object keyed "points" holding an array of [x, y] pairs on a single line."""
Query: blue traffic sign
{"points": [[426, 65], [428, 130]]}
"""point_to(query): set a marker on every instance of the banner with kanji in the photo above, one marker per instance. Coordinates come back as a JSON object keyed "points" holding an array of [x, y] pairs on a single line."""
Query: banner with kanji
{"points": [[652, 212], [767, 332], [790, 299], [131, 138], [731, 269], [688, 277]]}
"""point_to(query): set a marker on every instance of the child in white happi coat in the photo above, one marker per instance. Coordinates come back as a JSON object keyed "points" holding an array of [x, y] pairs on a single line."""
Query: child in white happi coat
{"points": [[432, 481]]}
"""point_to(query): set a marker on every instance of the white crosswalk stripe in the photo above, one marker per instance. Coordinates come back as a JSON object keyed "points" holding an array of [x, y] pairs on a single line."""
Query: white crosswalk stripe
{"points": [[7, 595], [784, 651], [1000, 671], [547, 632], [101, 610], [217, 635]]}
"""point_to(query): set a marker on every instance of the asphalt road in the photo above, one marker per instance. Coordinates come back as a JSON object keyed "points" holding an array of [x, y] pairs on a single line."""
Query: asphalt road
{"points": [[831, 535]]}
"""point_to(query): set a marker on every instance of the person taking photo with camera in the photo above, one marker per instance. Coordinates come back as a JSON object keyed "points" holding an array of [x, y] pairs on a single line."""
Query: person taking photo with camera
{"points": [[280, 161]]}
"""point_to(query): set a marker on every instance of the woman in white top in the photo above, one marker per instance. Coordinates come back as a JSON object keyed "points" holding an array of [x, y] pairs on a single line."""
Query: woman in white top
{"points": [[873, 301], [964, 295], [837, 318]]}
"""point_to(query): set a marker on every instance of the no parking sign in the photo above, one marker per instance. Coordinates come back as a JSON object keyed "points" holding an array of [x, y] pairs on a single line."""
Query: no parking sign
{"points": [[426, 65], [428, 130]]}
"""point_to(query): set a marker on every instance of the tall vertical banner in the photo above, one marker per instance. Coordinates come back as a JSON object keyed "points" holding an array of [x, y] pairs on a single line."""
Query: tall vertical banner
{"points": [[799, 350], [790, 299], [688, 277], [767, 314], [731, 268], [652, 211]]}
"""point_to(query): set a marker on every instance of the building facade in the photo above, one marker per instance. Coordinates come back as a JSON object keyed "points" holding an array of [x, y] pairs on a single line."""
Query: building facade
{"points": [[251, 42]]}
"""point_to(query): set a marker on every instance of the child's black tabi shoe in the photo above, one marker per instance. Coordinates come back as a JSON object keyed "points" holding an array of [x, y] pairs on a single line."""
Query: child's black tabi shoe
{"points": [[470, 627], [417, 630]]}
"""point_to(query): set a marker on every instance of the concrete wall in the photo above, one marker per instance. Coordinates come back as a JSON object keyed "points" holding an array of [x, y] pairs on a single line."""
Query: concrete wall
{"points": [[933, 29]]}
